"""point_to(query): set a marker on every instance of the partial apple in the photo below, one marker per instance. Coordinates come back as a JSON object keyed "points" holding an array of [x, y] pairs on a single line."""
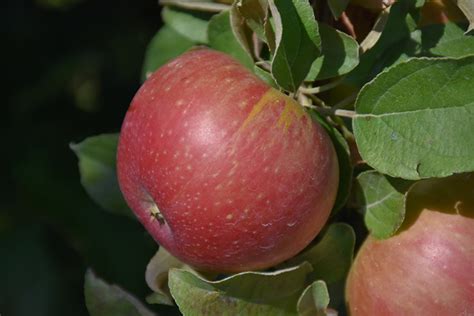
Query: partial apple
{"points": [[428, 267], [225, 172]]}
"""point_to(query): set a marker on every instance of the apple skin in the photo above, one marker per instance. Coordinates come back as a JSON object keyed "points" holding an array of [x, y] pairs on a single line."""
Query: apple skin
{"points": [[241, 175], [428, 267]]}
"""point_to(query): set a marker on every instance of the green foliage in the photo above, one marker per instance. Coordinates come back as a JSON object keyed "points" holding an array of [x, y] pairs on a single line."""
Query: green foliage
{"points": [[332, 256], [103, 299], [314, 300], [412, 119], [339, 54], [298, 42], [382, 200], [222, 38], [423, 134], [446, 40], [164, 46], [156, 276], [97, 159], [248, 293], [190, 24], [343, 159]]}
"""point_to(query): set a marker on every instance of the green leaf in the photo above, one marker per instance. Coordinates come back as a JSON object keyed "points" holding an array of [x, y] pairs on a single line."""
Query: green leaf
{"points": [[265, 76], [314, 301], [447, 40], [103, 299], [467, 7], [164, 46], [247, 293], [340, 54], [383, 202], [337, 7], [255, 14], [297, 42], [190, 24], [223, 39], [419, 134], [344, 161], [156, 276], [331, 257], [98, 172]]}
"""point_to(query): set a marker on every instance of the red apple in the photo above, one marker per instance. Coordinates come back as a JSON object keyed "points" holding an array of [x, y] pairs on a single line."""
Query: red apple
{"points": [[225, 172], [428, 267]]}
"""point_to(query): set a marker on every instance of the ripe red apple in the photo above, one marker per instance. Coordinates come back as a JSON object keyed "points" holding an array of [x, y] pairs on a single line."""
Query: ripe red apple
{"points": [[225, 172], [428, 267]]}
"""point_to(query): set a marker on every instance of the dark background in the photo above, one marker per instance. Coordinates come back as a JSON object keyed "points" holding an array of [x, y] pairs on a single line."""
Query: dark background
{"points": [[69, 71]]}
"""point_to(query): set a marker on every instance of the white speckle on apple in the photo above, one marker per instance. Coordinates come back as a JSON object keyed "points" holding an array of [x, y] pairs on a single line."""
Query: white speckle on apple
{"points": [[229, 216]]}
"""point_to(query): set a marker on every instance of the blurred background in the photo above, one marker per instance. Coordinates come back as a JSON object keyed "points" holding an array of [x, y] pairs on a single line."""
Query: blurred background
{"points": [[70, 69]]}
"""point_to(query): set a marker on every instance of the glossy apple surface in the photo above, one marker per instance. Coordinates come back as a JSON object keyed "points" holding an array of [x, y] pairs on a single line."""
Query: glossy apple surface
{"points": [[428, 267], [241, 176]]}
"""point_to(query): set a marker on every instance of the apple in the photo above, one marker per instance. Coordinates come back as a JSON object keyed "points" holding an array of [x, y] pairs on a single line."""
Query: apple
{"points": [[225, 172], [427, 268]]}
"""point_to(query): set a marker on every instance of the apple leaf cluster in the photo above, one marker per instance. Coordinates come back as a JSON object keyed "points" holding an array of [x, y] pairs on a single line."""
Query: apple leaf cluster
{"points": [[393, 85]]}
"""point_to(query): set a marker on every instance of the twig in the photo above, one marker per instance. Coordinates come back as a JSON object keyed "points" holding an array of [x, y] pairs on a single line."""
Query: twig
{"points": [[322, 88]]}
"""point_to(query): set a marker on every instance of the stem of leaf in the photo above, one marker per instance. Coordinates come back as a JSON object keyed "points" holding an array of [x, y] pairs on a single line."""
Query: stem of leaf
{"points": [[321, 88]]}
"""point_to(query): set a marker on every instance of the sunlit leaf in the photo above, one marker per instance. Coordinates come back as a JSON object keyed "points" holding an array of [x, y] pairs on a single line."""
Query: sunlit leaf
{"points": [[164, 46], [247, 293], [415, 120], [297, 42], [223, 39]]}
